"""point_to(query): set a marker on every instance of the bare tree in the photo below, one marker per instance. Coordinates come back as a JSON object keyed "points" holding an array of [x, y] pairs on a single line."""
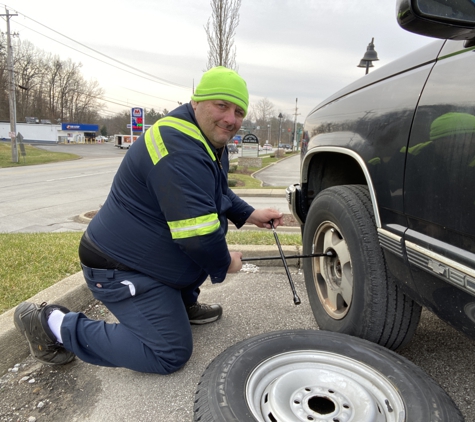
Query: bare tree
{"points": [[220, 30], [263, 111], [50, 88], [29, 71], [4, 99], [84, 104]]}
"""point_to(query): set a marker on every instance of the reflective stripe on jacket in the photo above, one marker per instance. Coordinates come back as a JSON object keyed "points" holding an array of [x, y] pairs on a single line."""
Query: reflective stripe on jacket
{"points": [[168, 209], [196, 226]]}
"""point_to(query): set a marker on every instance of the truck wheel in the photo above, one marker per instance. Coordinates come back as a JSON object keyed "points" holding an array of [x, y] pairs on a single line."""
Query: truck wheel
{"points": [[307, 375], [351, 291]]}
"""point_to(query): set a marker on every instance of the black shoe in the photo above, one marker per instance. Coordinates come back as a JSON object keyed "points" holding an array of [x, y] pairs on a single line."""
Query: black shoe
{"points": [[199, 313], [32, 321]]}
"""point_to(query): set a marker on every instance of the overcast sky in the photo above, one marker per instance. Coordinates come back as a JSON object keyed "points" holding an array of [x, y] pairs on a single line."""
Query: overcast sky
{"points": [[285, 49]]}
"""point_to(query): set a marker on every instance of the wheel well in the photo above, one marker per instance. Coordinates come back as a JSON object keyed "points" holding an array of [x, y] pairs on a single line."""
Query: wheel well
{"points": [[328, 169]]}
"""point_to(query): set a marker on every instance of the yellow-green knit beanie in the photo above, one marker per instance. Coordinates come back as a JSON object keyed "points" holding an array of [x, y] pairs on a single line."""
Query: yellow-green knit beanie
{"points": [[221, 83]]}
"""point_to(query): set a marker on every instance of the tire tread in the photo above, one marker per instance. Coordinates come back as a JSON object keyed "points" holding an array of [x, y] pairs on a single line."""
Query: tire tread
{"points": [[424, 399], [400, 313]]}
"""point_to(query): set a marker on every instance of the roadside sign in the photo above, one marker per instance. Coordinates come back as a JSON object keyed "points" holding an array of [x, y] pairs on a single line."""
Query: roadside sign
{"points": [[137, 119], [22, 146], [250, 145], [145, 126], [250, 139]]}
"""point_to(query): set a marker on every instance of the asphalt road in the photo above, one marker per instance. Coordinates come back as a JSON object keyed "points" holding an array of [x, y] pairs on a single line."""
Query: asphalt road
{"points": [[284, 173], [50, 197]]}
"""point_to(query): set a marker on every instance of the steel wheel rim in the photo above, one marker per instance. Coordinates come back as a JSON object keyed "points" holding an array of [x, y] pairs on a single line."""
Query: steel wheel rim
{"points": [[318, 386], [333, 276]]}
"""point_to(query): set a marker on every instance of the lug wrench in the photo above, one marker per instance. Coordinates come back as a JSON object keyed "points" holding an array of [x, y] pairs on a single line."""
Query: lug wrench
{"points": [[283, 257], [292, 285], [265, 258]]}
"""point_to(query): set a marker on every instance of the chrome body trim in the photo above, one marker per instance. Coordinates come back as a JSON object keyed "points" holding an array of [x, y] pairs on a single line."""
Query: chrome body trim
{"points": [[341, 150]]}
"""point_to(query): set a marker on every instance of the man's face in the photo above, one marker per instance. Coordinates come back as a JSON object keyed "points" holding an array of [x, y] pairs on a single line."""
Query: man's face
{"points": [[218, 119]]}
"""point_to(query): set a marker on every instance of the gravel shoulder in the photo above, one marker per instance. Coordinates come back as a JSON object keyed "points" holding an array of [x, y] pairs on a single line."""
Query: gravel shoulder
{"points": [[32, 391]]}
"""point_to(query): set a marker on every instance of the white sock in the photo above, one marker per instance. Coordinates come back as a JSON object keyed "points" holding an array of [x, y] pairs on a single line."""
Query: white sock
{"points": [[54, 322]]}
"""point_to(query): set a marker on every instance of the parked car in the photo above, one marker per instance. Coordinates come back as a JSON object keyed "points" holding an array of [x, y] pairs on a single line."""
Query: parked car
{"points": [[233, 149], [285, 146], [267, 147], [387, 185]]}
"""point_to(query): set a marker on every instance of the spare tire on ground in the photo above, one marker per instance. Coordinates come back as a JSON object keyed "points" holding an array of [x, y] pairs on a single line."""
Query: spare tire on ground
{"points": [[307, 375]]}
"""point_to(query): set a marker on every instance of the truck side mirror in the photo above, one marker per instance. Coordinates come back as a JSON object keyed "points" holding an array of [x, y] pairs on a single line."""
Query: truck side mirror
{"points": [[437, 18]]}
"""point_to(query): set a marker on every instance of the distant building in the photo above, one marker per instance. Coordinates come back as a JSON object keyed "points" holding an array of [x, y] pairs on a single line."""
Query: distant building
{"points": [[46, 132]]}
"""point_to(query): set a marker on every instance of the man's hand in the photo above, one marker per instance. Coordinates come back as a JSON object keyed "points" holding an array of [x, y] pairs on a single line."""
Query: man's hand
{"points": [[236, 263], [261, 218]]}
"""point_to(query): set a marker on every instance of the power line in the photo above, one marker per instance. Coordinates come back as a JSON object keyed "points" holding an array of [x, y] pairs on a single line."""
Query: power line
{"points": [[155, 78], [114, 101], [149, 95], [148, 76], [92, 57]]}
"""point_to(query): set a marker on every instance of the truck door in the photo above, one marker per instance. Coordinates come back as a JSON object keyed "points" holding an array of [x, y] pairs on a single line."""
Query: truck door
{"points": [[439, 183]]}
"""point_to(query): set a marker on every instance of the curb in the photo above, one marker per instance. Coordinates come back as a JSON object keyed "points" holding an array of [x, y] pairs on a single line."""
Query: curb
{"points": [[270, 165], [72, 292], [83, 219], [275, 192], [266, 193], [282, 229]]}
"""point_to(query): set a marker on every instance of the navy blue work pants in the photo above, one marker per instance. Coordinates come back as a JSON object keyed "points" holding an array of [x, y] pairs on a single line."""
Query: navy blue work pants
{"points": [[153, 333]]}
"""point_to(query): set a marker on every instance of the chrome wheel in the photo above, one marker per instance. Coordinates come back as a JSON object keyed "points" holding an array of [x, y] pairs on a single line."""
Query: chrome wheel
{"points": [[317, 376], [321, 387], [333, 276]]}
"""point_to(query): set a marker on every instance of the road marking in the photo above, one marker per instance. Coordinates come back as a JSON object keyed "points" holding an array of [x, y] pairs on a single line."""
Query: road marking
{"points": [[81, 175]]}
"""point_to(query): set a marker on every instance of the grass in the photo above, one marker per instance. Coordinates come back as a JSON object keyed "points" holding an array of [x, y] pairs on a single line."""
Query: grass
{"points": [[261, 237], [31, 262], [247, 182], [32, 156]]}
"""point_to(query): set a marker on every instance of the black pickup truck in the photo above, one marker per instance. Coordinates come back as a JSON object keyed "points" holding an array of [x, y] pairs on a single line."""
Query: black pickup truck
{"points": [[388, 186], [387, 193]]}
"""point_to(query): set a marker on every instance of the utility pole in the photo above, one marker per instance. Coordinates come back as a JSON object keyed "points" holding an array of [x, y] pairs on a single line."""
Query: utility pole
{"points": [[295, 126], [280, 128], [12, 89]]}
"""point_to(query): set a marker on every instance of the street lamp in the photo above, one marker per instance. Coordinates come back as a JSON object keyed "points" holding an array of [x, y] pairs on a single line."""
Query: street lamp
{"points": [[268, 134], [369, 57], [280, 127]]}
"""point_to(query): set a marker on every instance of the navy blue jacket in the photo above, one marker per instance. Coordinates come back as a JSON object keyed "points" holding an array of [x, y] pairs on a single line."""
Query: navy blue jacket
{"points": [[167, 210]]}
